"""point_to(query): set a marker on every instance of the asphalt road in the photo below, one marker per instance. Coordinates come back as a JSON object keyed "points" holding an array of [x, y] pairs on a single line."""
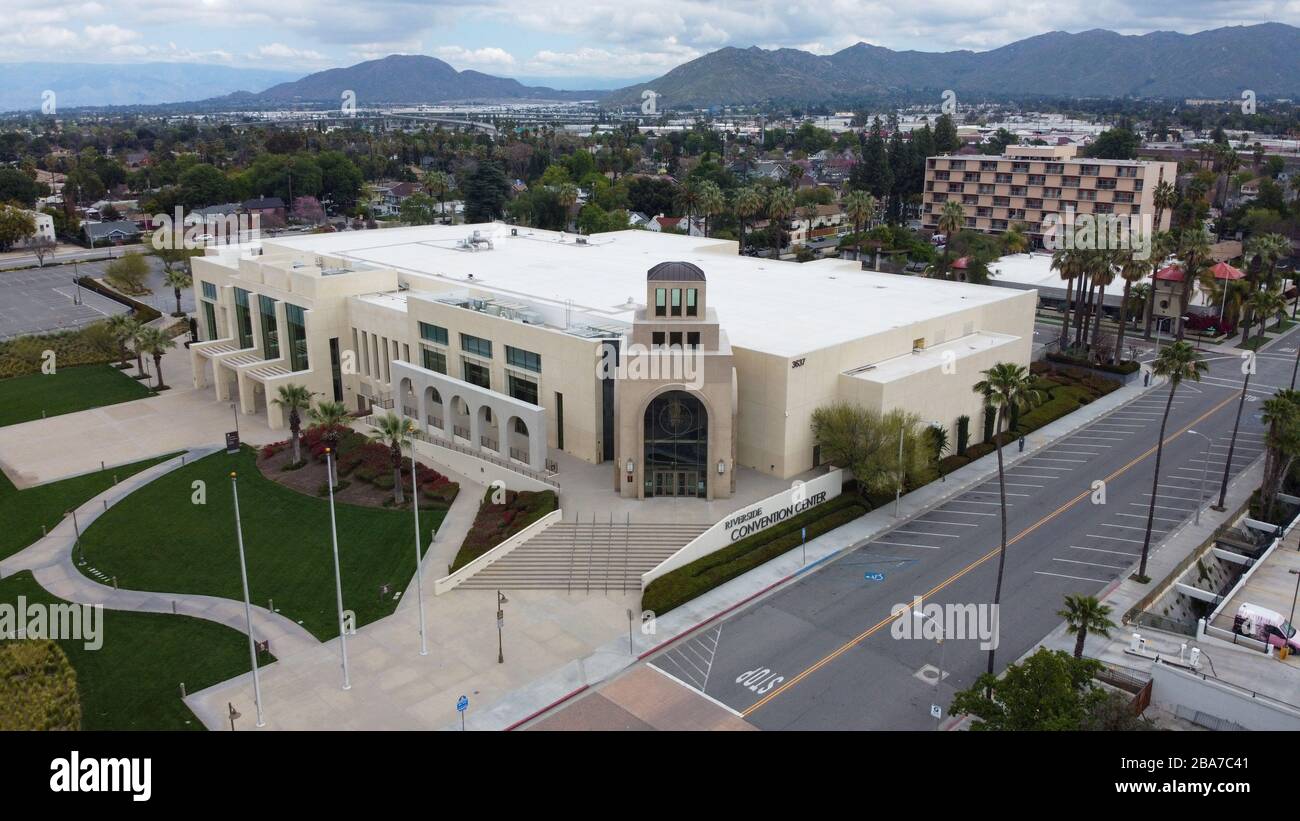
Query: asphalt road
{"points": [[819, 652]]}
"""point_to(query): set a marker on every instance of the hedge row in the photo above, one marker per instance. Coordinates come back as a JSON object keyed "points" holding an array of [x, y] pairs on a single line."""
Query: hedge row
{"points": [[702, 575], [1123, 368]]}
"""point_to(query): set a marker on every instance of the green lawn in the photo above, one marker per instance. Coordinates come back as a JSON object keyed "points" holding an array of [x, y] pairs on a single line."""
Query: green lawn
{"points": [[23, 512], [67, 390], [158, 539], [133, 681]]}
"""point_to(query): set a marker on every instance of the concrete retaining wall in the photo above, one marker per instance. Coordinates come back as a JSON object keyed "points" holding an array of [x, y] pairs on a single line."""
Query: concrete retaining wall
{"points": [[750, 520], [495, 554], [1174, 687]]}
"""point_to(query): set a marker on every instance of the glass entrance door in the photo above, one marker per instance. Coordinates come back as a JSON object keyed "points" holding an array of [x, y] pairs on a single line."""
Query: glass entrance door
{"points": [[677, 483]]}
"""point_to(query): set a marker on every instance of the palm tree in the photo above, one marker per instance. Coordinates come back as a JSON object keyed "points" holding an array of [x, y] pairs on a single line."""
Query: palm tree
{"points": [[294, 399], [1194, 250], [1133, 270], [1007, 388], [860, 206], [155, 343], [809, 214], [1177, 362], [712, 202], [331, 417], [1084, 615], [178, 280], [123, 329], [567, 195], [1165, 195], [1103, 275], [952, 219], [395, 432], [1281, 413], [780, 205], [1014, 239], [1162, 245], [688, 198], [749, 201], [437, 184], [1068, 263]]}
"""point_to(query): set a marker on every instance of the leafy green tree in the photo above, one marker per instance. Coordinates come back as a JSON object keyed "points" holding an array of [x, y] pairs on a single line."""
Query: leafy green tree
{"points": [[1115, 144], [128, 273], [865, 442], [16, 225], [486, 192], [15, 186], [419, 209], [1050, 690]]}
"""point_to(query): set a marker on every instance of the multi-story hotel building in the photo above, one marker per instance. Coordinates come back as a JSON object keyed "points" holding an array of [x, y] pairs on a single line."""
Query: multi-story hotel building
{"points": [[502, 342], [1028, 183]]}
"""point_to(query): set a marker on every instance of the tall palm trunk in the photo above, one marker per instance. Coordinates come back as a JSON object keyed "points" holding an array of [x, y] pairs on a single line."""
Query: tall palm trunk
{"points": [[397, 474], [1123, 322], [1101, 313], [1065, 319], [1078, 642], [157, 366], [295, 425], [1148, 311], [1155, 480], [1002, 495], [1087, 316], [1232, 443]]}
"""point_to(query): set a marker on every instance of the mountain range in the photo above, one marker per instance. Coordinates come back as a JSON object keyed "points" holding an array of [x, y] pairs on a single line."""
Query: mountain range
{"points": [[1218, 63], [404, 78], [125, 84]]}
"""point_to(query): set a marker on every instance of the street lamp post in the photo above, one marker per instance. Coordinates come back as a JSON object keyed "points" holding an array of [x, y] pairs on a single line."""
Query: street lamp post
{"points": [[419, 585], [248, 607], [1295, 573], [501, 621], [1205, 470], [1249, 367], [338, 579], [898, 492]]}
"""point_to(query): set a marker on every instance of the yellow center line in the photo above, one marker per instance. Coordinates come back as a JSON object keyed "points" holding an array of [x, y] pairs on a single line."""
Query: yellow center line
{"points": [[865, 634]]}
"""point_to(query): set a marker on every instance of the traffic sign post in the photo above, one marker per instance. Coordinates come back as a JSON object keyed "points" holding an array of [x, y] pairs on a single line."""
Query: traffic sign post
{"points": [[462, 704], [803, 539]]}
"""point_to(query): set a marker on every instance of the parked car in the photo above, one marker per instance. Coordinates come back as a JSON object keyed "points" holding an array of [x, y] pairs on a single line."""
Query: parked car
{"points": [[1264, 625]]}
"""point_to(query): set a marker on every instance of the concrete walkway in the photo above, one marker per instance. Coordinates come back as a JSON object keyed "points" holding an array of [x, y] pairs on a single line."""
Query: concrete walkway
{"points": [[52, 561], [182, 418]]}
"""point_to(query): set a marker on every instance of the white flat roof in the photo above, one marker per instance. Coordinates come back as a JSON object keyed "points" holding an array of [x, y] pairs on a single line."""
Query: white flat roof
{"points": [[782, 308], [1035, 270]]}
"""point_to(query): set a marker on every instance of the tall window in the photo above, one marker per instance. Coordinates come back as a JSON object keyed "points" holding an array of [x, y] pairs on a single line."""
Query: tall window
{"points": [[432, 360], [522, 388], [209, 291], [297, 321], [661, 302], [476, 345], [270, 333], [677, 302], [336, 369], [520, 358], [692, 308], [210, 316], [243, 319], [477, 374], [433, 333]]}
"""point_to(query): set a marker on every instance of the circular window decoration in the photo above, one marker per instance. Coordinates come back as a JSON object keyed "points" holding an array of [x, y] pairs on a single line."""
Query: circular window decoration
{"points": [[676, 418]]}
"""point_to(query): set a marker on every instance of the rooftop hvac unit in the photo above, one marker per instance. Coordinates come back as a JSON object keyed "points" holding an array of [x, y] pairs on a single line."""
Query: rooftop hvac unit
{"points": [[530, 317]]}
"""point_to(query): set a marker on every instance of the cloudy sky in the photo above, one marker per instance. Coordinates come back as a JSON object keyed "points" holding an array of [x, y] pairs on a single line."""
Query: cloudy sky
{"points": [[576, 39]]}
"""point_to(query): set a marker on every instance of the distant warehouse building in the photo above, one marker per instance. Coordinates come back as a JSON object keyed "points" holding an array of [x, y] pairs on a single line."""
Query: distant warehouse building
{"points": [[669, 357], [1028, 183]]}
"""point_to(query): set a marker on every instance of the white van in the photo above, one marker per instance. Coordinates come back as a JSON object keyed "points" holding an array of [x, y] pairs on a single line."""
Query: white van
{"points": [[1265, 625]]}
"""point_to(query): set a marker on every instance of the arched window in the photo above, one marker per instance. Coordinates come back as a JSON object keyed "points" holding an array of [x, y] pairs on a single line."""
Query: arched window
{"points": [[676, 445]]}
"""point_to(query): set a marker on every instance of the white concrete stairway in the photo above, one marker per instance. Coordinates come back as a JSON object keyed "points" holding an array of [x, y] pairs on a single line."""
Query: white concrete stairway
{"points": [[587, 556]]}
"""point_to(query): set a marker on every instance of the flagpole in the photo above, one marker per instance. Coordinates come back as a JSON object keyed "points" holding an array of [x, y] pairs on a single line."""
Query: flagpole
{"points": [[338, 579], [248, 607], [419, 585]]}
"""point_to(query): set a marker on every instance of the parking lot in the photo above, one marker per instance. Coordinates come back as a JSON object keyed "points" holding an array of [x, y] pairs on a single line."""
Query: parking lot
{"points": [[44, 300]]}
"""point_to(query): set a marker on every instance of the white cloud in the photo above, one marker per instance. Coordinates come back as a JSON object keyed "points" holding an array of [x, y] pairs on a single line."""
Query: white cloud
{"points": [[479, 58]]}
